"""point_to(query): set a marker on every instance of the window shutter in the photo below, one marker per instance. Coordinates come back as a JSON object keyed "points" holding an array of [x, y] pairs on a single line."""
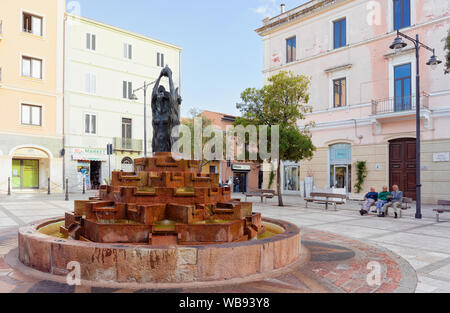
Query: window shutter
{"points": [[162, 60], [93, 83], [130, 89], [88, 41], [130, 52], [87, 124], [94, 124], [93, 42], [124, 88], [157, 59]]}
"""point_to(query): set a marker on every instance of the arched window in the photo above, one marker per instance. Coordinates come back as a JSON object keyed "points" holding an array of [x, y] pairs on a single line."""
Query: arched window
{"points": [[127, 165]]}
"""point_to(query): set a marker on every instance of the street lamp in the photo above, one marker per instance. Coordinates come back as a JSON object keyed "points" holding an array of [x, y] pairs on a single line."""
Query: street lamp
{"points": [[135, 98], [434, 61]]}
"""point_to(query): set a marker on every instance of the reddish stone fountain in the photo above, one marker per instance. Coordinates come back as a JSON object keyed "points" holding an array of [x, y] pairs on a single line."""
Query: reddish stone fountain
{"points": [[165, 202], [165, 223]]}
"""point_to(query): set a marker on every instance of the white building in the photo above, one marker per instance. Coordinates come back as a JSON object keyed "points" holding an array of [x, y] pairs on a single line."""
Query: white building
{"points": [[103, 65]]}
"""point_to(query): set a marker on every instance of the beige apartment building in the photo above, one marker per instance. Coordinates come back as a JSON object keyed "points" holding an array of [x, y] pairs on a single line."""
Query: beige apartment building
{"points": [[31, 94]]}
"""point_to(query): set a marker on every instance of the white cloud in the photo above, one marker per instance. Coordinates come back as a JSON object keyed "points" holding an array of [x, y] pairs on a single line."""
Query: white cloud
{"points": [[268, 8]]}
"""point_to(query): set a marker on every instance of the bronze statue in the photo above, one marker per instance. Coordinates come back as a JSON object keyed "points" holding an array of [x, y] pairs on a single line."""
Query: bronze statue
{"points": [[166, 113]]}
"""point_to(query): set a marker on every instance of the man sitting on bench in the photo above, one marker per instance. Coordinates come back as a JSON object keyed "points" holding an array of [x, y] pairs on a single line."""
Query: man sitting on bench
{"points": [[383, 198], [370, 198], [396, 202]]}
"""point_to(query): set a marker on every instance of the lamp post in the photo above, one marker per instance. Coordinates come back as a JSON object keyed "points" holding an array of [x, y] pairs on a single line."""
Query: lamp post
{"points": [[134, 97], [433, 62]]}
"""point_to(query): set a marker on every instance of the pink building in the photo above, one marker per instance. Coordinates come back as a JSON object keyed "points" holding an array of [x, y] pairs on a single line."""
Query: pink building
{"points": [[363, 93]]}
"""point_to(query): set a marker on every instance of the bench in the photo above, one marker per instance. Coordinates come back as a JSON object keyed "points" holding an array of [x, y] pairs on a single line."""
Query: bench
{"points": [[406, 204], [444, 208], [326, 198], [264, 194]]}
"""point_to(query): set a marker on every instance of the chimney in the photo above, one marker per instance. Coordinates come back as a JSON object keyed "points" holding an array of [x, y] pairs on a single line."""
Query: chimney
{"points": [[283, 8]]}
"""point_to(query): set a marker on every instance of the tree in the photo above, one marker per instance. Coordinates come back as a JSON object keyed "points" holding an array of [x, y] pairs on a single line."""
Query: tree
{"points": [[189, 122], [283, 101], [447, 48]]}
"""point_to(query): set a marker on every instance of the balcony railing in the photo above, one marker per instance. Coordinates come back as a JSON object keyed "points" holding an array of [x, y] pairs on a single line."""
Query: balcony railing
{"points": [[127, 144], [399, 104]]}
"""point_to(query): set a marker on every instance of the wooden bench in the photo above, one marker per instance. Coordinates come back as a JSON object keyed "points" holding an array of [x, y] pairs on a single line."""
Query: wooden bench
{"points": [[326, 198], [444, 208], [406, 204], [264, 194]]}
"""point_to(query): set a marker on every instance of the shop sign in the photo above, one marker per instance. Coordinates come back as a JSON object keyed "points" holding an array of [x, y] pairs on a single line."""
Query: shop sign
{"points": [[89, 154], [239, 167], [441, 157]]}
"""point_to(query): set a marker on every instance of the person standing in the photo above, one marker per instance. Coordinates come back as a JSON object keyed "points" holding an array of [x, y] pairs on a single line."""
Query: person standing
{"points": [[396, 203]]}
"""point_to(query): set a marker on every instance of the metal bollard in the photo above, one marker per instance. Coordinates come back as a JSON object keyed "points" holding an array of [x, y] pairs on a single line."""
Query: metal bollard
{"points": [[84, 185], [48, 185], [67, 189], [9, 186]]}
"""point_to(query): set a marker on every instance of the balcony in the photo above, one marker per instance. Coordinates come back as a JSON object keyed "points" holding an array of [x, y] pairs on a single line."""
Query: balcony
{"points": [[128, 145], [399, 106], [398, 109]]}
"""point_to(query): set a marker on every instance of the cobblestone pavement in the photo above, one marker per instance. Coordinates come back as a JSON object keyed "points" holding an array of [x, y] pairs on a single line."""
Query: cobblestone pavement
{"points": [[338, 262]]}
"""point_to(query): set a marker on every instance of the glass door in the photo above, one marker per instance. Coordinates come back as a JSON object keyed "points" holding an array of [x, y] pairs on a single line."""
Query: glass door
{"points": [[341, 177], [291, 178], [25, 174]]}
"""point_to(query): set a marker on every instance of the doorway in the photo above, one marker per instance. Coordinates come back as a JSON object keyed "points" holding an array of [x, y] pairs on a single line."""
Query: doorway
{"points": [[240, 181], [95, 174], [402, 165], [25, 174], [341, 177]]}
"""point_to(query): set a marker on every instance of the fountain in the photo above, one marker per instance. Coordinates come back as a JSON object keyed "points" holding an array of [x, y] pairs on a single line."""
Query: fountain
{"points": [[164, 223]]}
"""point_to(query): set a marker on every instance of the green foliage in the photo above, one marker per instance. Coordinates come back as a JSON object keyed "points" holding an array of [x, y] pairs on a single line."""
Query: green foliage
{"points": [[283, 101], [271, 178], [447, 48], [361, 167]]}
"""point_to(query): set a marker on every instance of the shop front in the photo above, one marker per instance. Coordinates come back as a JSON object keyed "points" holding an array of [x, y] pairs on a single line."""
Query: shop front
{"points": [[241, 177], [30, 169], [90, 164], [291, 178]]}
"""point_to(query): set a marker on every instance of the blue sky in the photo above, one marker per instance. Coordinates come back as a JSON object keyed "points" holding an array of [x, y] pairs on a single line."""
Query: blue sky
{"points": [[222, 55]]}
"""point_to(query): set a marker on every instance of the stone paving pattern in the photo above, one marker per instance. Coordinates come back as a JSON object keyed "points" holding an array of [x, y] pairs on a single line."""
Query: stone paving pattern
{"points": [[341, 244]]}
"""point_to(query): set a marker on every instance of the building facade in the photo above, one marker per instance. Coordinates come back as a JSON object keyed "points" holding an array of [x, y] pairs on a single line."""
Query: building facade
{"points": [[245, 176], [363, 93], [31, 94], [104, 65]]}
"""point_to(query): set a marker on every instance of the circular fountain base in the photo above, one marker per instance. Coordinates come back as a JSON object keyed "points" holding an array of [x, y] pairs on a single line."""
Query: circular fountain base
{"points": [[123, 263]]}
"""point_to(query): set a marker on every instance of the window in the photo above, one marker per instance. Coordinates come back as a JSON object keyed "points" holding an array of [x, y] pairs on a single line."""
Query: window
{"points": [[32, 24], [340, 92], [31, 67], [127, 51], [90, 124], [127, 133], [90, 83], [31, 115], [160, 59], [402, 14], [291, 45], [402, 87], [91, 41], [127, 90], [340, 33]]}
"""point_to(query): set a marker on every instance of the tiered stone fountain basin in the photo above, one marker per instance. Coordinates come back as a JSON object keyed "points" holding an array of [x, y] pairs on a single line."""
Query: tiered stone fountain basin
{"points": [[164, 223]]}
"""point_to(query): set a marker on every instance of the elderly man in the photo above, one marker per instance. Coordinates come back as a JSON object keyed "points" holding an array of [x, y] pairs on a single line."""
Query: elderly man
{"points": [[396, 202], [370, 198], [383, 198]]}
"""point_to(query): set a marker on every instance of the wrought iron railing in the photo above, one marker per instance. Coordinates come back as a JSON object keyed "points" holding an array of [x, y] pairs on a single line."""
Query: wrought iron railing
{"points": [[128, 144], [399, 104]]}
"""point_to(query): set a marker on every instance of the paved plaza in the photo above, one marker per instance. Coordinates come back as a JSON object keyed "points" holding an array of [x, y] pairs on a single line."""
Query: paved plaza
{"points": [[412, 251]]}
